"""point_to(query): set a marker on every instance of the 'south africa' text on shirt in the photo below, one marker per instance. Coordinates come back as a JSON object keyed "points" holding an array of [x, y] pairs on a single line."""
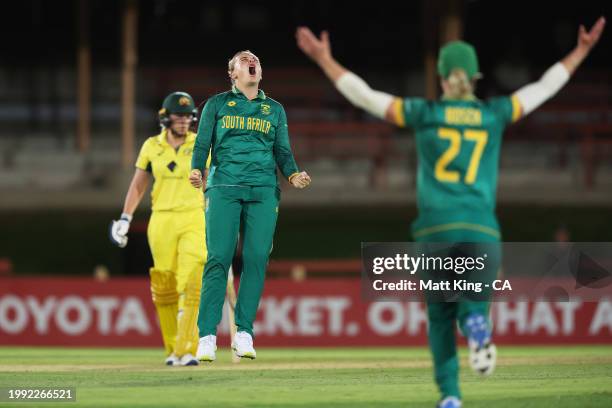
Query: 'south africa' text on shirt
{"points": [[248, 123]]}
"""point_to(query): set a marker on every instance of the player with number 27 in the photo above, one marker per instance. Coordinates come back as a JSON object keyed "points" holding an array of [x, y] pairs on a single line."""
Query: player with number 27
{"points": [[458, 140]]}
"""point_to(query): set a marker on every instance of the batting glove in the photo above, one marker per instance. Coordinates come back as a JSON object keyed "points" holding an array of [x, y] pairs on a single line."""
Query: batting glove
{"points": [[119, 229]]}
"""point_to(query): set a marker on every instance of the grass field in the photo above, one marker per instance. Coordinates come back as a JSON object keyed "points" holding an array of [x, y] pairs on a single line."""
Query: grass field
{"points": [[349, 377]]}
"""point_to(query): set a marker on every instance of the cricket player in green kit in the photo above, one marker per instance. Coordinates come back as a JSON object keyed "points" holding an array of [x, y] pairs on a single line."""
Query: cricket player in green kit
{"points": [[247, 134], [458, 140]]}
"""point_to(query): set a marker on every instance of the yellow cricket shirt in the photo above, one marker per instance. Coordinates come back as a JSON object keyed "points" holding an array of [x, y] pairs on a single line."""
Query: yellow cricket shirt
{"points": [[170, 169]]}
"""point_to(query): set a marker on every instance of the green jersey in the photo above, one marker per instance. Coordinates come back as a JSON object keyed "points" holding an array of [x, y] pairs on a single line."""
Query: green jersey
{"points": [[247, 140], [458, 144]]}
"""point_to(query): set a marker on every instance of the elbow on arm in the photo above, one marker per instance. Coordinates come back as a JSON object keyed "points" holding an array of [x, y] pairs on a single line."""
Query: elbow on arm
{"points": [[533, 95], [359, 93]]}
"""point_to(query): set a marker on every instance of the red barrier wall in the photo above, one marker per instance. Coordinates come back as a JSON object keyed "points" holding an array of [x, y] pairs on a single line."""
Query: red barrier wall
{"points": [[316, 312]]}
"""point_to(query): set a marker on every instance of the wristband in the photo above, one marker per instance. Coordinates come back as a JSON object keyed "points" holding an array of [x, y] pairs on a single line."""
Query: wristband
{"points": [[127, 217]]}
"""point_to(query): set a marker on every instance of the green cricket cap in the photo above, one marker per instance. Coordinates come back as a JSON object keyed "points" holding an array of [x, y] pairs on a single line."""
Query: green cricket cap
{"points": [[458, 54]]}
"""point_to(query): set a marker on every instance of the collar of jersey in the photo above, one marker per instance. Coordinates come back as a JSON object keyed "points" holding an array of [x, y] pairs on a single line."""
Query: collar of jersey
{"points": [[470, 98], [161, 138], [237, 92]]}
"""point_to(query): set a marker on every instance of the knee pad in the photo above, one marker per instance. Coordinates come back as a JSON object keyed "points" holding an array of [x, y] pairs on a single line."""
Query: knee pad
{"points": [[163, 287]]}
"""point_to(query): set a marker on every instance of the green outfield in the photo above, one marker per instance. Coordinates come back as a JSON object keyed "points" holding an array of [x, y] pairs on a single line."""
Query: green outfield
{"points": [[332, 377]]}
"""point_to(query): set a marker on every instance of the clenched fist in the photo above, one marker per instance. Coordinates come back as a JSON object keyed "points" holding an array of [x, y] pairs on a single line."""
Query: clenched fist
{"points": [[300, 180], [195, 178]]}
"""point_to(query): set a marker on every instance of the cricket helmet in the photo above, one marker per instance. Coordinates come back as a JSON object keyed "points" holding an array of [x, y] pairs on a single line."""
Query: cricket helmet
{"points": [[177, 102]]}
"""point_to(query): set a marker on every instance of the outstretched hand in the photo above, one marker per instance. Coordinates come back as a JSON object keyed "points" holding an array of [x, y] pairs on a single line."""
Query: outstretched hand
{"points": [[316, 48], [587, 40]]}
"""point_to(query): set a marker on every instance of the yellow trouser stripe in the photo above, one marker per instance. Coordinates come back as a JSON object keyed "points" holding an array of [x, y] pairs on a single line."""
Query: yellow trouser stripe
{"points": [[457, 225]]}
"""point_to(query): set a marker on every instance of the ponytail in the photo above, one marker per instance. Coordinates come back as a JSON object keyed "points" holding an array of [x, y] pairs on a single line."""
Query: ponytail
{"points": [[460, 87]]}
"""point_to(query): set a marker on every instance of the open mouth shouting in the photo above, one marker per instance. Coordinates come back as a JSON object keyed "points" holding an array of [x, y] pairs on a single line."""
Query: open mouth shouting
{"points": [[252, 69]]}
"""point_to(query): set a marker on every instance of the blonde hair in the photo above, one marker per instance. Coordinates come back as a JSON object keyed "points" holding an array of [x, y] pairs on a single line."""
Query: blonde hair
{"points": [[231, 64], [459, 85]]}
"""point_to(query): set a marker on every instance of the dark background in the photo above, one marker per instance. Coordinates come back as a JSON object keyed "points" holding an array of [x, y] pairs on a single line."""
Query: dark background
{"points": [[381, 36]]}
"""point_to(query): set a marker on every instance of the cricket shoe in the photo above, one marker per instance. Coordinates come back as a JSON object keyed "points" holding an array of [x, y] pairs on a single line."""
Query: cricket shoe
{"points": [[449, 402], [172, 360], [483, 353], [206, 348], [188, 360], [243, 345]]}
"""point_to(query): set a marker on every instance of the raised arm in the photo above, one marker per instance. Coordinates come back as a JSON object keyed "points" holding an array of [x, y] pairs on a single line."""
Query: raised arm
{"points": [[352, 87], [535, 94]]}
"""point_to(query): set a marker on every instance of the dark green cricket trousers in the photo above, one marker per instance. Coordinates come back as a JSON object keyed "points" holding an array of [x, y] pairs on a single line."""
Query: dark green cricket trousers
{"points": [[444, 317], [227, 208]]}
